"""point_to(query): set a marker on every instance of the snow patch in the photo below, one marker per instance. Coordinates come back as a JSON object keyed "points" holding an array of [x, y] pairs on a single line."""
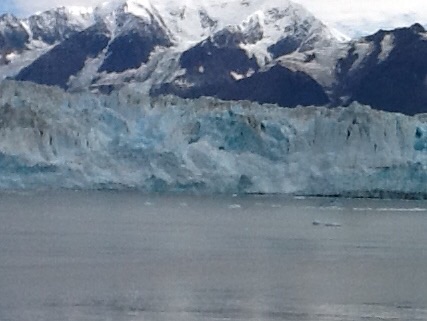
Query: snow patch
{"points": [[339, 35], [139, 8], [362, 50], [237, 76], [387, 45]]}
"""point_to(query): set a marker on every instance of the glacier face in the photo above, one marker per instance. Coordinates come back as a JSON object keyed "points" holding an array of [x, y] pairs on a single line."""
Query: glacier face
{"points": [[53, 139]]}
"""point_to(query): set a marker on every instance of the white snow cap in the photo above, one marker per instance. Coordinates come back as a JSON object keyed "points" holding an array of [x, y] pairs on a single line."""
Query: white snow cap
{"points": [[354, 18]]}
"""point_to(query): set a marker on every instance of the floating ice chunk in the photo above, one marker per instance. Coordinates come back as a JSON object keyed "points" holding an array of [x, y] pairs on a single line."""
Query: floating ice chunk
{"points": [[326, 224], [394, 209], [332, 224], [300, 197], [234, 206]]}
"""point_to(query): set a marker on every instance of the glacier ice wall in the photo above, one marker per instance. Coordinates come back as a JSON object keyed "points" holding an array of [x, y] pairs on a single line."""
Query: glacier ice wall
{"points": [[53, 139]]}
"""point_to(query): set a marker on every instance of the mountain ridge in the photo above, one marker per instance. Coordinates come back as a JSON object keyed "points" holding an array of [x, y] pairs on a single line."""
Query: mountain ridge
{"points": [[273, 51]]}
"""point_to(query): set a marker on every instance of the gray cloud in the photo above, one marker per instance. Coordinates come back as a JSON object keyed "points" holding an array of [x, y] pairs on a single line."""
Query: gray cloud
{"points": [[358, 17]]}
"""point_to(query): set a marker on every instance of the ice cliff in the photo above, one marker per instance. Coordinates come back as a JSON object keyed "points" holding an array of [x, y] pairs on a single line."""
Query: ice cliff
{"points": [[53, 139]]}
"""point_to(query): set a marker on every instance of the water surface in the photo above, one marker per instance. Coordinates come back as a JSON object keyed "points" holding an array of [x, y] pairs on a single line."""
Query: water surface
{"points": [[126, 256]]}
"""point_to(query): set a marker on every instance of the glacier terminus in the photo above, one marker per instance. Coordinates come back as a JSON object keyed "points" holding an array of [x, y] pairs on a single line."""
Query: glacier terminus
{"points": [[51, 138], [247, 96]]}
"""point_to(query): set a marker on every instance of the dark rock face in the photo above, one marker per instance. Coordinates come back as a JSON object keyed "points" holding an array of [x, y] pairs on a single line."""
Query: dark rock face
{"points": [[278, 85], [209, 66], [214, 66], [133, 47], [284, 46], [13, 36], [233, 36], [66, 59], [397, 83]]}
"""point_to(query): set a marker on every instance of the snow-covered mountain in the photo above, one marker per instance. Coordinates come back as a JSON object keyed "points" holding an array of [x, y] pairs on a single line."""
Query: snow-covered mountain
{"points": [[53, 139], [155, 43], [234, 57], [22, 41], [386, 70], [268, 51], [58, 24]]}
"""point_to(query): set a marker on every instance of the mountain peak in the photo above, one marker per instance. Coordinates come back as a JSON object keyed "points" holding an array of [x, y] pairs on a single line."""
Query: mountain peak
{"points": [[418, 28], [146, 41], [128, 6]]}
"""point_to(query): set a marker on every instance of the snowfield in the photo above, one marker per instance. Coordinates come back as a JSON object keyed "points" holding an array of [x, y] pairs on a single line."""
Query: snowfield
{"points": [[53, 139]]}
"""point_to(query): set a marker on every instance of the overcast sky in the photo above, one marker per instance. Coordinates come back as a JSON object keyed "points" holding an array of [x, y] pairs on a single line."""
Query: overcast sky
{"points": [[354, 17], [367, 16]]}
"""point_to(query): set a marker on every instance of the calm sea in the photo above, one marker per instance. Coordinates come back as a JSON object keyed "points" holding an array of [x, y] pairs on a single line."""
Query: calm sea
{"points": [[123, 256]]}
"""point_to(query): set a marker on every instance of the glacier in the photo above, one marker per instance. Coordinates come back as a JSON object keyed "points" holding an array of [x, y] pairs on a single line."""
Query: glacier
{"points": [[54, 139]]}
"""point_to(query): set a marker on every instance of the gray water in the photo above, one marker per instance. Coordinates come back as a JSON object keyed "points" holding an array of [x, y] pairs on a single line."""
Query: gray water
{"points": [[126, 256]]}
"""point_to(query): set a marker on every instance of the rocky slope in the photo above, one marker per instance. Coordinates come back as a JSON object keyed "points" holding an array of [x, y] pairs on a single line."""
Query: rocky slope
{"points": [[199, 49]]}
